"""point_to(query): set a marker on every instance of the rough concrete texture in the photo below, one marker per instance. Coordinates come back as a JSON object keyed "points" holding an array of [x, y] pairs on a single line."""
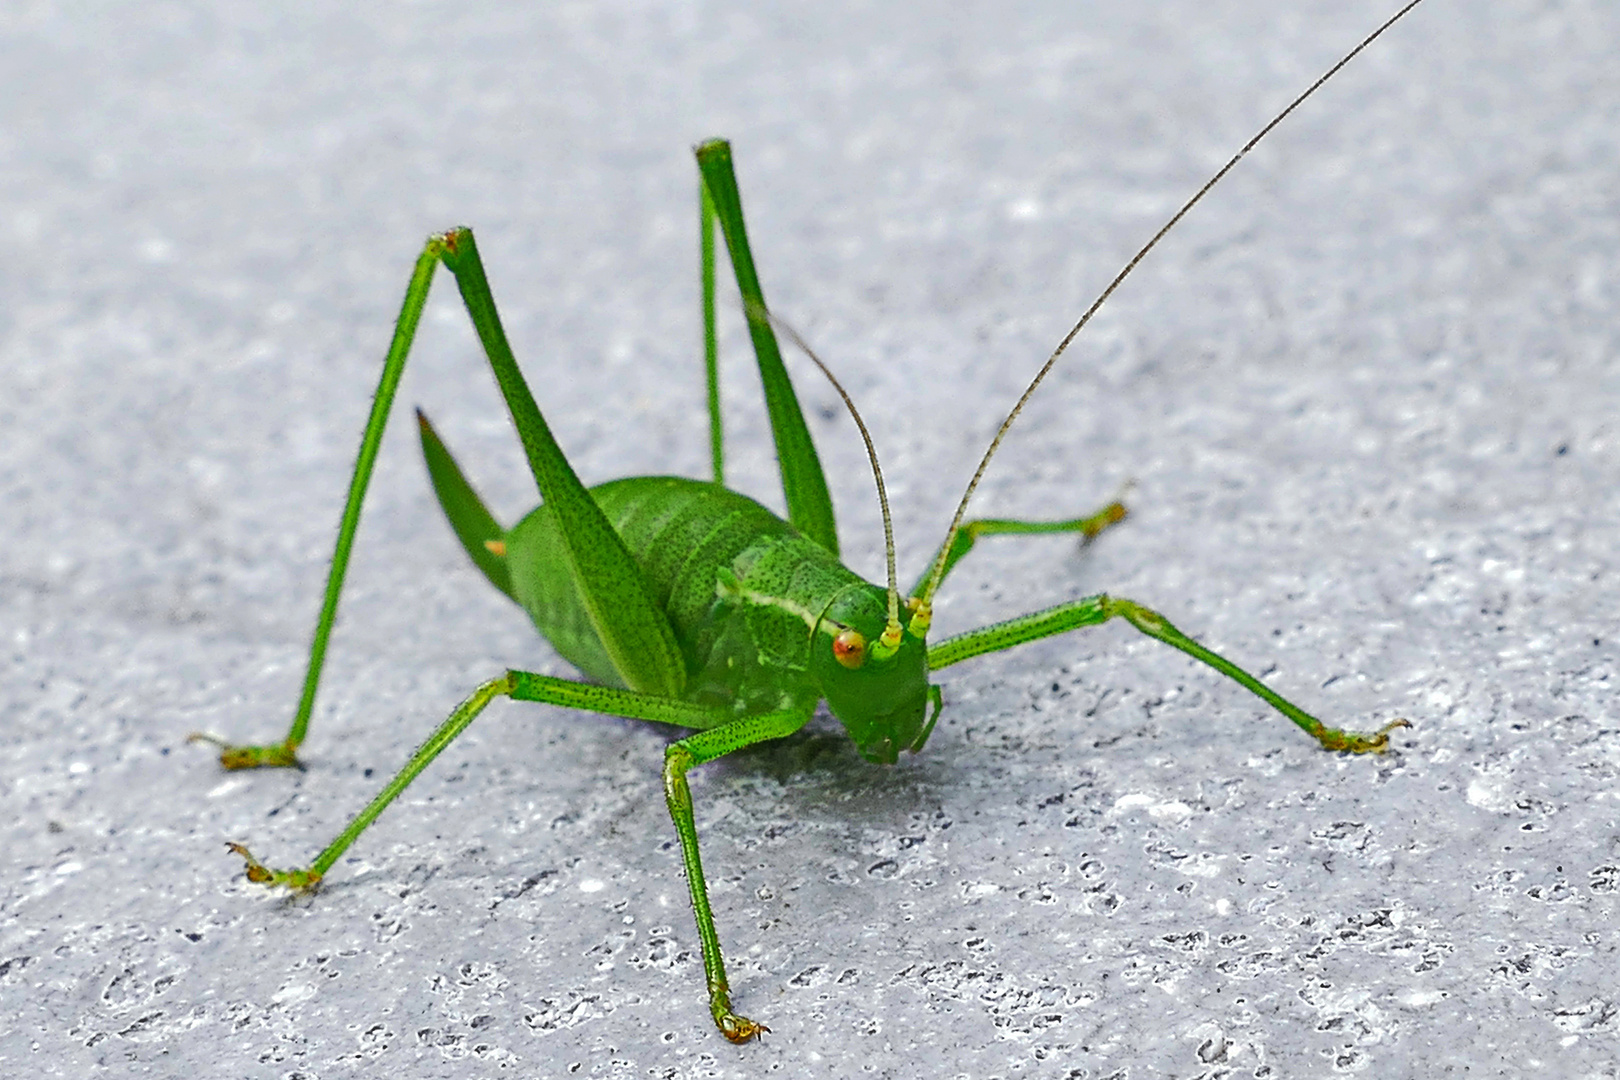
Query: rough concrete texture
{"points": [[1367, 395]]}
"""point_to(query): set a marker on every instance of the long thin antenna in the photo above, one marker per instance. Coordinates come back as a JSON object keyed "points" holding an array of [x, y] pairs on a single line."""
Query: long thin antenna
{"points": [[938, 570], [891, 633]]}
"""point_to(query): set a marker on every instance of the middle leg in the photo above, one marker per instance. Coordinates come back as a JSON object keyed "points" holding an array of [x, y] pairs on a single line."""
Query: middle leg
{"points": [[1088, 527]]}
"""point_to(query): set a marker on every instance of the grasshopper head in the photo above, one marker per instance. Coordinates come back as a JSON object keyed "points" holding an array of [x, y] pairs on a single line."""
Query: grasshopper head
{"points": [[872, 670], [880, 694]]}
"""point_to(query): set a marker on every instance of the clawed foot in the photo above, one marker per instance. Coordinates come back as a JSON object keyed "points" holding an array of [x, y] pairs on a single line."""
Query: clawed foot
{"points": [[1112, 514], [739, 1029], [277, 756], [260, 874], [1350, 742]]}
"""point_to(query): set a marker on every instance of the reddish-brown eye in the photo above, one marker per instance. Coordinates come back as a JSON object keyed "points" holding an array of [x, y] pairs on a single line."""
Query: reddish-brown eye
{"points": [[849, 648]]}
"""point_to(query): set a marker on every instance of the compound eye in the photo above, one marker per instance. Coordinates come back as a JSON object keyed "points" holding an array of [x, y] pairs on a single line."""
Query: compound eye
{"points": [[849, 648]]}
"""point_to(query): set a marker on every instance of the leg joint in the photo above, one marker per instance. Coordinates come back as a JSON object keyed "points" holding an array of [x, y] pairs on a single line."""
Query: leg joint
{"points": [[1144, 619], [677, 759]]}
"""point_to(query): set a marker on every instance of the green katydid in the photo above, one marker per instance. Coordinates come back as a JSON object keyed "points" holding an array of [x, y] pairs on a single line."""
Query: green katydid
{"points": [[692, 605]]}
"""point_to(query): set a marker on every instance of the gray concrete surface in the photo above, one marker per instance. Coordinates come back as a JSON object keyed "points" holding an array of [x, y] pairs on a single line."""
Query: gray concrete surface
{"points": [[1368, 396]]}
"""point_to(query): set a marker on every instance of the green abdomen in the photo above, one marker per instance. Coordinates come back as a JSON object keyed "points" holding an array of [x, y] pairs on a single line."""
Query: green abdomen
{"points": [[732, 577]]}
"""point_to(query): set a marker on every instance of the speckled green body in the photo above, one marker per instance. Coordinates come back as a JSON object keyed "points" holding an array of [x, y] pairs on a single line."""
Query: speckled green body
{"points": [[744, 592], [694, 605]]}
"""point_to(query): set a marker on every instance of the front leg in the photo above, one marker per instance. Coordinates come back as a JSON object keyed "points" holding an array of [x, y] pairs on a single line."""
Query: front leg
{"points": [[678, 758], [1095, 610], [719, 734]]}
